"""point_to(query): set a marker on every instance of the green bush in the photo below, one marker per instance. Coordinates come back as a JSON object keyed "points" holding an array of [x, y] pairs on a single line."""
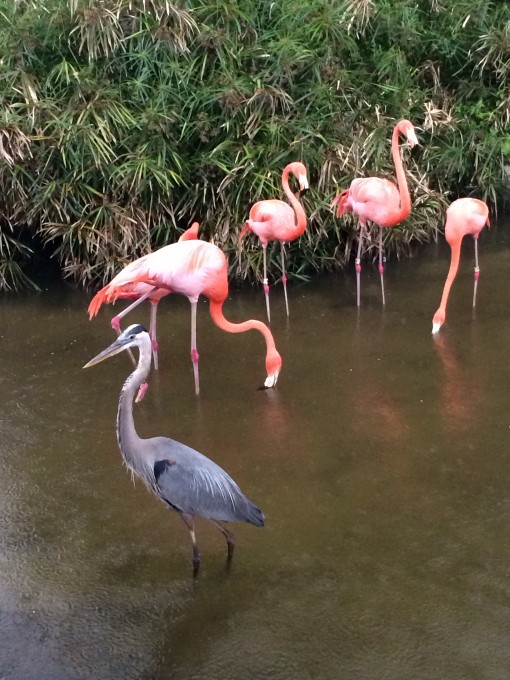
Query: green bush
{"points": [[122, 121]]}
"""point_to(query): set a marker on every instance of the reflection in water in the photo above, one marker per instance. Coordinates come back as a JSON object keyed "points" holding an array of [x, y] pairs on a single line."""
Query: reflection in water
{"points": [[380, 463], [462, 389]]}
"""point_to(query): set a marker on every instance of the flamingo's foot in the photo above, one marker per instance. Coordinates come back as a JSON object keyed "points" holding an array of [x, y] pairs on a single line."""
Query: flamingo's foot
{"points": [[141, 392], [116, 323]]}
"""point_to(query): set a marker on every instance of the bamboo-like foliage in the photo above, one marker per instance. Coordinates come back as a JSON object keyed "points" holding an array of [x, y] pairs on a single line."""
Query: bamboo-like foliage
{"points": [[121, 121]]}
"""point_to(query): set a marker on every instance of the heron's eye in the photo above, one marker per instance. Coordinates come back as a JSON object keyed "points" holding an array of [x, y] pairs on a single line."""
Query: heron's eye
{"points": [[132, 337]]}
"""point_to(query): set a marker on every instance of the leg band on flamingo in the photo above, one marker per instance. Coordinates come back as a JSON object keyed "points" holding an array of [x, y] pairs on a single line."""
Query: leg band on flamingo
{"points": [[477, 273], [358, 265]]}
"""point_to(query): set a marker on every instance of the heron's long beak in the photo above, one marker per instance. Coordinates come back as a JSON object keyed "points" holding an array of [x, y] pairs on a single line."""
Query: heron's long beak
{"points": [[115, 348]]}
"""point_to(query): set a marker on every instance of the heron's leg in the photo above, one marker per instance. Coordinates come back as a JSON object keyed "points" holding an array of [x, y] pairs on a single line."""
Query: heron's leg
{"points": [[284, 279], [190, 523], [152, 333], [358, 263], [194, 352], [231, 539], [381, 264], [265, 281], [477, 273]]}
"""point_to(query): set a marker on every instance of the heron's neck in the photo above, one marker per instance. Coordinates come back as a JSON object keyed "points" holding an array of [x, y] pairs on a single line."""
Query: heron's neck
{"points": [[129, 441]]}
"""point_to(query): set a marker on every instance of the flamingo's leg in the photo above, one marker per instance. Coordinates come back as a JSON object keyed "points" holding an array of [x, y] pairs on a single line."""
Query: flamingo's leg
{"points": [[477, 273], [194, 352], [284, 279], [152, 333], [265, 281], [358, 263], [116, 319], [381, 264]]}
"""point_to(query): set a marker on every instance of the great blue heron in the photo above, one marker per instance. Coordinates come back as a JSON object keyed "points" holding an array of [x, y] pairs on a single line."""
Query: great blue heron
{"points": [[184, 479]]}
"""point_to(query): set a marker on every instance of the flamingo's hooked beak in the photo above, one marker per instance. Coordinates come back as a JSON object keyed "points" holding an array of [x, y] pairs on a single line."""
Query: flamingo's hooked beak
{"points": [[303, 184], [412, 138]]}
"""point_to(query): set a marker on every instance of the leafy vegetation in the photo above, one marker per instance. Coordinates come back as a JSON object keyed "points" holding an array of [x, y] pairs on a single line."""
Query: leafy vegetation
{"points": [[122, 121]]}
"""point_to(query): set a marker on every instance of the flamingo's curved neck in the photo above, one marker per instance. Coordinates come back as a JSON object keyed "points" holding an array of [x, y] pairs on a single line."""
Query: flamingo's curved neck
{"points": [[452, 273], [296, 205], [403, 189], [216, 309]]}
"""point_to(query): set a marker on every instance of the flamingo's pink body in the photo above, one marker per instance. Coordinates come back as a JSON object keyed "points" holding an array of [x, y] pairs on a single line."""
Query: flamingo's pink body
{"points": [[191, 268], [276, 220], [142, 291], [378, 200], [464, 216]]}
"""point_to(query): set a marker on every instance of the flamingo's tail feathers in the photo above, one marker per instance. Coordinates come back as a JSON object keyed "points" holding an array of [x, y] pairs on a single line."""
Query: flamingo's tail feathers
{"points": [[245, 230], [102, 297], [340, 201], [191, 234]]}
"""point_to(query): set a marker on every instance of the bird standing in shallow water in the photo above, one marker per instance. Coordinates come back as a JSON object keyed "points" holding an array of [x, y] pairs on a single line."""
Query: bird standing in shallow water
{"points": [[276, 220], [379, 200], [142, 291], [464, 216], [184, 479], [191, 268]]}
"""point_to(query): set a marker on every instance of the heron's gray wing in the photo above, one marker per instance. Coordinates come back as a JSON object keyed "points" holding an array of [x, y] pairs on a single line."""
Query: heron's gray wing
{"points": [[194, 484]]}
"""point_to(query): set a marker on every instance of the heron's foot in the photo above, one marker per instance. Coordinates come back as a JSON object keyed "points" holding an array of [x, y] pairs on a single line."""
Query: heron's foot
{"points": [[196, 561], [141, 392]]}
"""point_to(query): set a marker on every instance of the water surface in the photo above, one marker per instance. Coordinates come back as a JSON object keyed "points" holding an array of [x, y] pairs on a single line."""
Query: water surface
{"points": [[381, 462]]}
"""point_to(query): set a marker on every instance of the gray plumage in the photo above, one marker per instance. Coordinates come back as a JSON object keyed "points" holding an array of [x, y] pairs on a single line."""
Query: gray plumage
{"points": [[181, 477]]}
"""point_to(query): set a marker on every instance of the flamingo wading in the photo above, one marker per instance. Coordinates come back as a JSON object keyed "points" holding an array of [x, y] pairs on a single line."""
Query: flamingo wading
{"points": [[190, 268], [276, 220], [464, 216], [378, 200], [184, 479], [154, 295]]}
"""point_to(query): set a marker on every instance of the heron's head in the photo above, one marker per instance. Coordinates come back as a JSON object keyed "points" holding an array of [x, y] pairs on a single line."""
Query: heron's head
{"points": [[133, 336]]}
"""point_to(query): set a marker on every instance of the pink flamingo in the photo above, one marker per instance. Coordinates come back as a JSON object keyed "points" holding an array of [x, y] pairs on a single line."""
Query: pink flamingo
{"points": [[154, 295], [379, 200], [464, 216], [191, 268], [276, 220]]}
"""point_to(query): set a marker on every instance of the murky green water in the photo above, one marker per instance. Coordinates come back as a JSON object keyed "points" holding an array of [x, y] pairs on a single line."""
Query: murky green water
{"points": [[382, 463]]}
